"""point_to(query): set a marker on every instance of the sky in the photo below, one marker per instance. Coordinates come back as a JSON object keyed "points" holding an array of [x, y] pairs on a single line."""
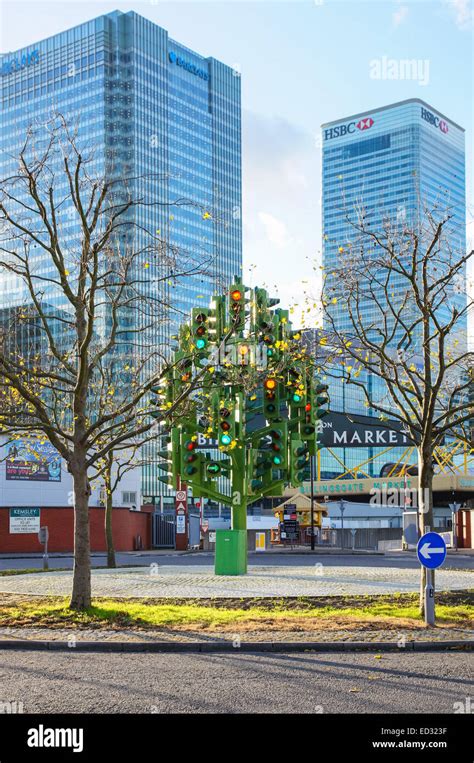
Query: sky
{"points": [[302, 63]]}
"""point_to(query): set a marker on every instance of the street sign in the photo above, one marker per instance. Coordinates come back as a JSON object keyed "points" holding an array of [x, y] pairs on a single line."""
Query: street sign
{"points": [[43, 535], [181, 512], [431, 550]]}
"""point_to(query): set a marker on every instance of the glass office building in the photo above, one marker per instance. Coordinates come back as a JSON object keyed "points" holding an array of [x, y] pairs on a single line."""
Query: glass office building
{"points": [[391, 163], [155, 113]]}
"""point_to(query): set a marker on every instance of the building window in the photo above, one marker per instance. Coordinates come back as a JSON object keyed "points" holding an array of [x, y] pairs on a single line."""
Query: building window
{"points": [[129, 498]]}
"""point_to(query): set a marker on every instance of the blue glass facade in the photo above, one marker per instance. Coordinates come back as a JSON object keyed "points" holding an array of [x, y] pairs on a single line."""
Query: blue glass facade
{"points": [[392, 163], [151, 111]]}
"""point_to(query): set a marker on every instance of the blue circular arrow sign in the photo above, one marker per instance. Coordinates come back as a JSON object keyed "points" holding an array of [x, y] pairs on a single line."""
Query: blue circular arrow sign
{"points": [[431, 550]]}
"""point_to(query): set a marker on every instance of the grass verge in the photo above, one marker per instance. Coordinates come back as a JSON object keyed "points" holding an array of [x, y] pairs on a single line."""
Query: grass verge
{"points": [[375, 612]]}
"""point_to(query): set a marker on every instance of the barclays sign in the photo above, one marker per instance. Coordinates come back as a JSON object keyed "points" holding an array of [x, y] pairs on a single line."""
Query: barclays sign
{"points": [[175, 59], [18, 63]]}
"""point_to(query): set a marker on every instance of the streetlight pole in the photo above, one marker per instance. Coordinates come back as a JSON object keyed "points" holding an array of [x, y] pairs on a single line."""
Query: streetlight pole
{"points": [[342, 508]]}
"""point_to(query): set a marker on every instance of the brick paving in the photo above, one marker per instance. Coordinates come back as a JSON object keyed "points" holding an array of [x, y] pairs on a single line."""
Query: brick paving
{"points": [[186, 581], [364, 634]]}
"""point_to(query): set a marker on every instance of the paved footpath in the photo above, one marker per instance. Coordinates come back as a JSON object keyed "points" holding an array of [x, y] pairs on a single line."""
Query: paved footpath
{"points": [[200, 582]]}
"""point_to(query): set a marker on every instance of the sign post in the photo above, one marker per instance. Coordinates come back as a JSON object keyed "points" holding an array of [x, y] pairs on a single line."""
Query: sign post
{"points": [[454, 510], [181, 507], [431, 552], [43, 537]]}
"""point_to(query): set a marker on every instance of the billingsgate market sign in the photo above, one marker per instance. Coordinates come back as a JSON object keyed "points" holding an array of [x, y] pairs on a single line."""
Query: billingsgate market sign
{"points": [[339, 430]]}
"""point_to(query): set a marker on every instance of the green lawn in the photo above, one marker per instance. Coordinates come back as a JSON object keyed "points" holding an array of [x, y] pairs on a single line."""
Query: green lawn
{"points": [[131, 613]]}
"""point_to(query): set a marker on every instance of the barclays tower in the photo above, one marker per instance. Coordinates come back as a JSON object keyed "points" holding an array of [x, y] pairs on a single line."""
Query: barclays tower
{"points": [[162, 115]]}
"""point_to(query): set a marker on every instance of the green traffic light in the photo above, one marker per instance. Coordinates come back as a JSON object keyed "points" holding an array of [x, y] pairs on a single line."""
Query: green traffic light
{"points": [[226, 439], [277, 460], [296, 398], [213, 468], [200, 344]]}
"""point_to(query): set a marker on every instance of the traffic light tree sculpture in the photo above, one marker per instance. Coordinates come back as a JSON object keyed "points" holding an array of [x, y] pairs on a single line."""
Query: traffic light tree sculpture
{"points": [[255, 403]]}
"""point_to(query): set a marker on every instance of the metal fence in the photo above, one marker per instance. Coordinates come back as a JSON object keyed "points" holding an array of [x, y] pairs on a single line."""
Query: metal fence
{"points": [[163, 530], [360, 538]]}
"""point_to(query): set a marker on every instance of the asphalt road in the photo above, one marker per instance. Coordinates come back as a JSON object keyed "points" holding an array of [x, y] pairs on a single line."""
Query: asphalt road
{"points": [[399, 560], [255, 683]]}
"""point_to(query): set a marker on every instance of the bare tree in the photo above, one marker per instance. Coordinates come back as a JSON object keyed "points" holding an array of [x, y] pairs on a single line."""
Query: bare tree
{"points": [[91, 288], [111, 469], [396, 308]]}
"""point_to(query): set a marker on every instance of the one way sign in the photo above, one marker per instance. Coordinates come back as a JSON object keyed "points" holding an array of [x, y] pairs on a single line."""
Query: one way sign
{"points": [[431, 550]]}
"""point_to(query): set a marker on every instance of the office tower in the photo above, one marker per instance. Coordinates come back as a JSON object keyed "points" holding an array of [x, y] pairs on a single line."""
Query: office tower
{"points": [[159, 116]]}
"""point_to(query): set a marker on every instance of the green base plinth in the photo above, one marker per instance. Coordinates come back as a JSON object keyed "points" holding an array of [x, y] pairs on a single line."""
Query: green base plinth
{"points": [[231, 552]]}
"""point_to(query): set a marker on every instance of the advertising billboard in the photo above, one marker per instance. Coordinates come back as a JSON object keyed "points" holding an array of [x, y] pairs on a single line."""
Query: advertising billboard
{"points": [[32, 461]]}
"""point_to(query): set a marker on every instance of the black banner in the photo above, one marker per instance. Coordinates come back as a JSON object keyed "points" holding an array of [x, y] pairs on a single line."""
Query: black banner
{"points": [[72, 737], [339, 430]]}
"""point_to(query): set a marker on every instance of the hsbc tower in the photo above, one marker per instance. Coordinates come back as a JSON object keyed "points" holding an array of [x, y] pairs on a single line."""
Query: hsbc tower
{"points": [[391, 163]]}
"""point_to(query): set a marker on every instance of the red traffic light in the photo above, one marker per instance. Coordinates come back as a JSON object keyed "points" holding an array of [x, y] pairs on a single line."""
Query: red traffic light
{"points": [[190, 445], [307, 407]]}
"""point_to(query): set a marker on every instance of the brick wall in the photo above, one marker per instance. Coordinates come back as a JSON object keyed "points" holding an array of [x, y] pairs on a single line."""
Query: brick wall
{"points": [[126, 526]]}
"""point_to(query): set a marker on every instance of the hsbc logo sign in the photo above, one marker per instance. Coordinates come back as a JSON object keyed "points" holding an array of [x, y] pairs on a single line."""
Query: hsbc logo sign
{"points": [[433, 120], [365, 124], [337, 132]]}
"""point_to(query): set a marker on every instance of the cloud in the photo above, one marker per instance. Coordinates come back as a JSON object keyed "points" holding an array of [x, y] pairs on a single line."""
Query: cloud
{"points": [[276, 230], [462, 11], [281, 214], [400, 15]]}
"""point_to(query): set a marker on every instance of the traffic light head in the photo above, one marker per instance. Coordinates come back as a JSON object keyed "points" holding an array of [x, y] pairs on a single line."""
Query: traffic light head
{"points": [[170, 455], [200, 329], [226, 426], [298, 461], [260, 471], [237, 306], [190, 467], [278, 445], [321, 400], [271, 399]]}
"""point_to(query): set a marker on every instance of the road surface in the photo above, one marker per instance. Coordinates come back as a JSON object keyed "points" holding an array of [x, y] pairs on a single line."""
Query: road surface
{"points": [[250, 683]]}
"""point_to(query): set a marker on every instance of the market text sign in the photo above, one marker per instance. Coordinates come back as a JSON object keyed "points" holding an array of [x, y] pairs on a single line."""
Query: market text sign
{"points": [[24, 521], [340, 430]]}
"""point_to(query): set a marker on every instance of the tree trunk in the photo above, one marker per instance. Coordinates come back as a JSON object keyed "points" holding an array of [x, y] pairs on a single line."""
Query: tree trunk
{"points": [[425, 504], [81, 584], [108, 526]]}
